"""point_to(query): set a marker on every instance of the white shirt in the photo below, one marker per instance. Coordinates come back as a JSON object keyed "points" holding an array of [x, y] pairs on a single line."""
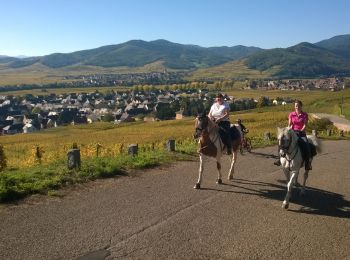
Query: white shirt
{"points": [[217, 110]]}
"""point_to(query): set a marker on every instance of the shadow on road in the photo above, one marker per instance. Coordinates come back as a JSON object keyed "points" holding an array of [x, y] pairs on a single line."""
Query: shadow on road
{"points": [[315, 201], [265, 155]]}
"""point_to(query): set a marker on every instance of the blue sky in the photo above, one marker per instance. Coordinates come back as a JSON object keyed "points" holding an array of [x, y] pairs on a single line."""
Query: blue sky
{"points": [[40, 27]]}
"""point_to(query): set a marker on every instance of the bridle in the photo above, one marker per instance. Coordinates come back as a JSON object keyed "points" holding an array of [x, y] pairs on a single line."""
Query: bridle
{"points": [[202, 130], [201, 127], [289, 151]]}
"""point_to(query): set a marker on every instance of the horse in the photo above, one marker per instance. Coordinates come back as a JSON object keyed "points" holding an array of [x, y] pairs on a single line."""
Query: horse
{"points": [[291, 159], [211, 145]]}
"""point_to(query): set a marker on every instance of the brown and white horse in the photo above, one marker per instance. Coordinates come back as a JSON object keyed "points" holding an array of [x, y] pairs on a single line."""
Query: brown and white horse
{"points": [[211, 145]]}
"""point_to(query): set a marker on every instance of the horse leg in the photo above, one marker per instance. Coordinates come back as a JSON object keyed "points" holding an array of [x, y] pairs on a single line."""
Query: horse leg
{"points": [[302, 189], [218, 166], [198, 184], [287, 174], [291, 182], [232, 167]]}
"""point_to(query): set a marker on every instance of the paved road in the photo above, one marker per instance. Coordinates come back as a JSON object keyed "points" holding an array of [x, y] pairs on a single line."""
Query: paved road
{"points": [[339, 122], [158, 215]]}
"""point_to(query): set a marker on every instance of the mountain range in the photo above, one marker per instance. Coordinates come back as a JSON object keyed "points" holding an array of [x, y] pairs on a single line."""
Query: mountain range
{"points": [[325, 58]]}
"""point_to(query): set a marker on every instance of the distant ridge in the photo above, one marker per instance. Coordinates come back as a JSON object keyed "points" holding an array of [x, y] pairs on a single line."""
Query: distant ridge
{"points": [[329, 57], [137, 53]]}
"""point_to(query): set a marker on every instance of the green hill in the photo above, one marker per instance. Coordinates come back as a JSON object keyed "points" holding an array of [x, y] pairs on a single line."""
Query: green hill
{"points": [[138, 53], [340, 45], [305, 60], [301, 60]]}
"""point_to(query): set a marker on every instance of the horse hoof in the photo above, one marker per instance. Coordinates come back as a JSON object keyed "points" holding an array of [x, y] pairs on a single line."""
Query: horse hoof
{"points": [[197, 186], [218, 181], [285, 205]]}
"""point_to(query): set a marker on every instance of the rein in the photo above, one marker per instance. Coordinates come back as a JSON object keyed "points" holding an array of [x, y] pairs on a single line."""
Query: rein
{"points": [[205, 133], [288, 154]]}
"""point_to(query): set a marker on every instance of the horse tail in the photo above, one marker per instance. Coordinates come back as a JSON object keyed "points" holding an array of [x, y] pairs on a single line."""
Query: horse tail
{"points": [[316, 142]]}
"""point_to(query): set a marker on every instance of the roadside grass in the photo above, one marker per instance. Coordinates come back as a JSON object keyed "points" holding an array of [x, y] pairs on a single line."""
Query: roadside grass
{"points": [[18, 183]]}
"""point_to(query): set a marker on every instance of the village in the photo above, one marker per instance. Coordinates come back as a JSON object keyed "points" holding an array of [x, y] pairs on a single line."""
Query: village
{"points": [[29, 113], [32, 113]]}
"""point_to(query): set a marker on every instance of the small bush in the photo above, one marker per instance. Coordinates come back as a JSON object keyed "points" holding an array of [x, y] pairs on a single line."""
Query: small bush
{"points": [[319, 124]]}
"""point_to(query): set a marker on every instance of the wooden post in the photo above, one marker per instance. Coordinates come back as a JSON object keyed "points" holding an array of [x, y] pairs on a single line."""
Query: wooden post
{"points": [[267, 136], [329, 132], [170, 145], [133, 149], [73, 159]]}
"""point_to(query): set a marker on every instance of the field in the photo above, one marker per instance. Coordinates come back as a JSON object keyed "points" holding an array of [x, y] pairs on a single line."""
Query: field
{"points": [[112, 138]]}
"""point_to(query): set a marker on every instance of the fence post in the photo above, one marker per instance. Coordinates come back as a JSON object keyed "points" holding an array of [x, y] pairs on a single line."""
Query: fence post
{"points": [[170, 145], [268, 136], [133, 149], [73, 159], [329, 132]]}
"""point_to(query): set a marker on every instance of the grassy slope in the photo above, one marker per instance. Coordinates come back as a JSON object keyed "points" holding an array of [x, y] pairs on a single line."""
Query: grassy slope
{"points": [[229, 70], [40, 74]]}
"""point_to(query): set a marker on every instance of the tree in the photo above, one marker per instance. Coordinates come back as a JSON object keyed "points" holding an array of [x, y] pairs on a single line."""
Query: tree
{"points": [[36, 110], [109, 117], [263, 102]]}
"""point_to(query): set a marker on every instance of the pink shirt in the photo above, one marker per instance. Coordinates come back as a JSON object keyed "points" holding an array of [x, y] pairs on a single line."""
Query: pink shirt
{"points": [[298, 122]]}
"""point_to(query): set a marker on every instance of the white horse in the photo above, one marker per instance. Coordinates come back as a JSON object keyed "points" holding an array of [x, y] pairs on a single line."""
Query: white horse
{"points": [[292, 160], [210, 144]]}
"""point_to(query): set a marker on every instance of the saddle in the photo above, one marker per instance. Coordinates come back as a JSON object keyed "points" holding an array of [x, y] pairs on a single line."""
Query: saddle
{"points": [[229, 134], [312, 147]]}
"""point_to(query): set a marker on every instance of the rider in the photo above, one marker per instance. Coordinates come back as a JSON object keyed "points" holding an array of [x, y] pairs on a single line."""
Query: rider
{"points": [[219, 112], [297, 120]]}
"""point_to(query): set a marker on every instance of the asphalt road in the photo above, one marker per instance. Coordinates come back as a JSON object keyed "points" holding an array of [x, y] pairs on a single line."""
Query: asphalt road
{"points": [[157, 214]]}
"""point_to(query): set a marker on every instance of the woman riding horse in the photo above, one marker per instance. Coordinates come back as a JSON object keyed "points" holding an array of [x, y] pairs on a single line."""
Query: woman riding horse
{"points": [[219, 113], [297, 121]]}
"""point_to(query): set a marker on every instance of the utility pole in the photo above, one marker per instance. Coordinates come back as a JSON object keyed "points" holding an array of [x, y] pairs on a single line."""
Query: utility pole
{"points": [[341, 105]]}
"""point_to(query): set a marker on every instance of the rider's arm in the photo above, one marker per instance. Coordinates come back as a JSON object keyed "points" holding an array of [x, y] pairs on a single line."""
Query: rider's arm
{"points": [[210, 114], [225, 114], [305, 123], [290, 123]]}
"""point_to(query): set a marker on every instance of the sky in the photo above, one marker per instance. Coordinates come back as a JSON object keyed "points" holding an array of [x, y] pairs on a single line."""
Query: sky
{"points": [[41, 27]]}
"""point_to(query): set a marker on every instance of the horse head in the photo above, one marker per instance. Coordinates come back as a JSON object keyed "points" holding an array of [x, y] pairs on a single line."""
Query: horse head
{"points": [[286, 138], [201, 125]]}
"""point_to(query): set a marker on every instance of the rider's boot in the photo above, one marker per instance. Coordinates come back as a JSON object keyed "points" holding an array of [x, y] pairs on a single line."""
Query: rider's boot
{"points": [[308, 166]]}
